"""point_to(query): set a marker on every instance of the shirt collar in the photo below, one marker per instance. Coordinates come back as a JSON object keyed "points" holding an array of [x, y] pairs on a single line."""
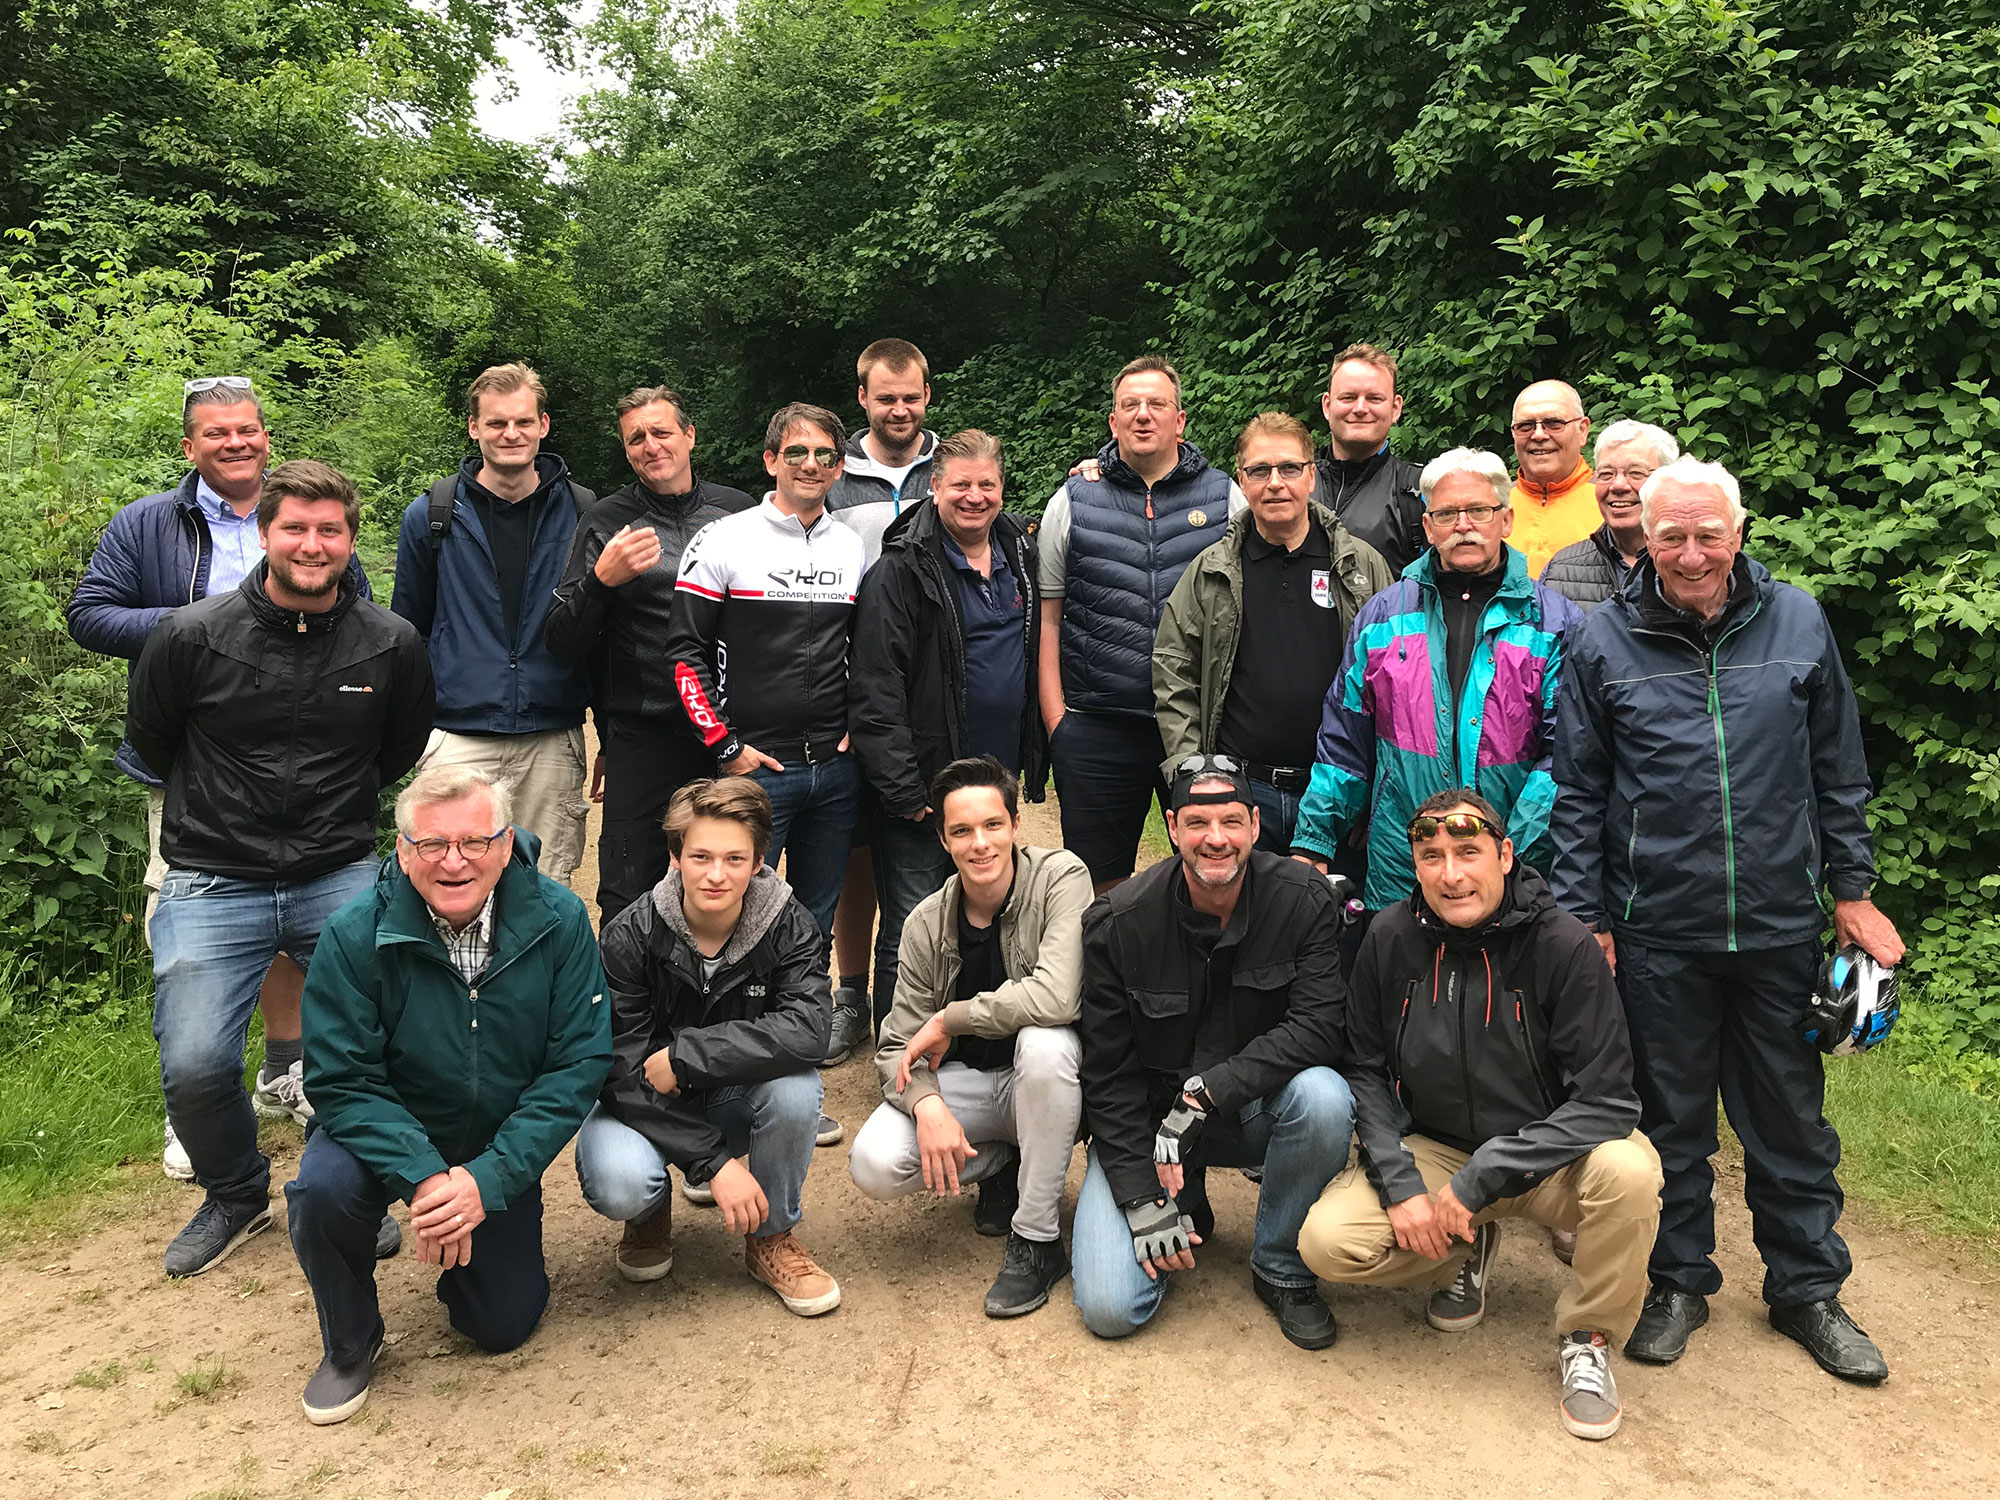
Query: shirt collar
{"points": [[213, 504], [480, 926]]}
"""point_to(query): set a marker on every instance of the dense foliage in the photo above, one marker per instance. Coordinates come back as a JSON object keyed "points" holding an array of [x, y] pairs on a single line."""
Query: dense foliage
{"points": [[1769, 226]]}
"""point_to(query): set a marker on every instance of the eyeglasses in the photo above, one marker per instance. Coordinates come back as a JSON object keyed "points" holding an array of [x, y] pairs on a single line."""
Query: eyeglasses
{"points": [[1479, 515], [795, 456], [433, 851], [1132, 406], [214, 383], [1460, 825], [1258, 473], [1553, 426], [1630, 476]]}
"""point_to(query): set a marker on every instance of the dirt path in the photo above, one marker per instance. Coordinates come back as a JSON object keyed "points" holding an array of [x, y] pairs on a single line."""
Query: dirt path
{"points": [[702, 1386]]}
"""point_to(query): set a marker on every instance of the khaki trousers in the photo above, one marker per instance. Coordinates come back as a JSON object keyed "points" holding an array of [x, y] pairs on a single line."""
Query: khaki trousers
{"points": [[1610, 1198], [546, 772]]}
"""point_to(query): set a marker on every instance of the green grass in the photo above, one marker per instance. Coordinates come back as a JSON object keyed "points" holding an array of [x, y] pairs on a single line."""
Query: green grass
{"points": [[1919, 1150], [1153, 841]]}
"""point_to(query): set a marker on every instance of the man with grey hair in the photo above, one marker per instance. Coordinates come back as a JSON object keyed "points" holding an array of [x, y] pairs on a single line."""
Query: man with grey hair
{"points": [[456, 1035], [1592, 570], [1448, 680], [1554, 503], [1713, 798]]}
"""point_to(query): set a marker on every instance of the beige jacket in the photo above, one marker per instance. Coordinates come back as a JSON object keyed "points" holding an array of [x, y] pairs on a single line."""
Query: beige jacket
{"points": [[1041, 944]]}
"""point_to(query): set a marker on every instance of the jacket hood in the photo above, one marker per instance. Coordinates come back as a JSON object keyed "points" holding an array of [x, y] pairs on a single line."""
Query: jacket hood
{"points": [[549, 467], [404, 915], [762, 902], [861, 466], [1116, 471], [1525, 900]]}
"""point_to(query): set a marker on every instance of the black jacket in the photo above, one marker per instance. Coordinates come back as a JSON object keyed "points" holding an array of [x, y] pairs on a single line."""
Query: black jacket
{"points": [[766, 1014], [1150, 1021], [1378, 500], [1507, 1041], [276, 731], [621, 633], [1587, 572], [1710, 784], [906, 669]]}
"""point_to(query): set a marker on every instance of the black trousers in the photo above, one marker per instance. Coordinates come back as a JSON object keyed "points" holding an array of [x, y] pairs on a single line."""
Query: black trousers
{"points": [[1709, 1022], [1107, 774], [644, 765]]}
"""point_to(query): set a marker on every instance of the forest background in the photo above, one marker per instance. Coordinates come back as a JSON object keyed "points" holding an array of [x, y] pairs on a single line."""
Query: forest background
{"points": [[1771, 227]]}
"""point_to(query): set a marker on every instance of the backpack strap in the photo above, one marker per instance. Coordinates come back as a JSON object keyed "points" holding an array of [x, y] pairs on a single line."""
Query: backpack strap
{"points": [[442, 495], [584, 498]]}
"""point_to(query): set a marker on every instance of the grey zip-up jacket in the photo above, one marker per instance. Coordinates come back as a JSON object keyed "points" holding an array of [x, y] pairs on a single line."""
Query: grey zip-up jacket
{"points": [[1194, 652], [1041, 944]]}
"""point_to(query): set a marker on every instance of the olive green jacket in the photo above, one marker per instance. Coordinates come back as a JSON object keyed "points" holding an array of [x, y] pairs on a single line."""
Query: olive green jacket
{"points": [[1195, 650]]}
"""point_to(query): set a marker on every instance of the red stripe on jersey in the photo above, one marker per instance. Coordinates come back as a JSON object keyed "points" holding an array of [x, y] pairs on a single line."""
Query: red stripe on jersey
{"points": [[695, 588], [695, 701]]}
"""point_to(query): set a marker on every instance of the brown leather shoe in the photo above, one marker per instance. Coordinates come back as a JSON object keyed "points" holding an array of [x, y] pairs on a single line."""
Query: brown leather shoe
{"points": [[646, 1253], [781, 1263]]}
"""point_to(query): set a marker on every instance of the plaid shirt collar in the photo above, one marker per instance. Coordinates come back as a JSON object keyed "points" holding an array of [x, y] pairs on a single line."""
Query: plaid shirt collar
{"points": [[471, 946]]}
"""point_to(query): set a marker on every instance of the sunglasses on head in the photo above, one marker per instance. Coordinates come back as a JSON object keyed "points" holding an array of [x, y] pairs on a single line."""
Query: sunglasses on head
{"points": [[1459, 825], [201, 383]]}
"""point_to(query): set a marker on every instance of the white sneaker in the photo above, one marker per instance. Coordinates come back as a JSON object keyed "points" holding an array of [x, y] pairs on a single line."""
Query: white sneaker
{"points": [[174, 1160], [282, 1097]]}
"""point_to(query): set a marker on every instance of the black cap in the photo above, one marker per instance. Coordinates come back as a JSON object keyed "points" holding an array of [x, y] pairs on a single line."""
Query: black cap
{"points": [[1210, 768]]}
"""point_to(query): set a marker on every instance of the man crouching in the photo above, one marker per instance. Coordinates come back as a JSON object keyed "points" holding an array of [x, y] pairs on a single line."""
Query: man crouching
{"points": [[979, 1053], [1489, 1014], [455, 1034], [720, 1013]]}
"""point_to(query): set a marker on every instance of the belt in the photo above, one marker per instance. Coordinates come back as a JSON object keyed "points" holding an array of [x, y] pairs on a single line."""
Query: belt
{"points": [[1284, 778], [811, 751]]}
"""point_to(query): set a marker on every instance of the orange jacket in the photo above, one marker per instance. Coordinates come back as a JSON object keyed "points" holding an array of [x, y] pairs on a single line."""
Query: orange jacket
{"points": [[1548, 517]]}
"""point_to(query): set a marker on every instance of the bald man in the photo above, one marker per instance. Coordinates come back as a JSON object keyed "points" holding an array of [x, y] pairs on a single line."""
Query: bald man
{"points": [[1554, 501]]}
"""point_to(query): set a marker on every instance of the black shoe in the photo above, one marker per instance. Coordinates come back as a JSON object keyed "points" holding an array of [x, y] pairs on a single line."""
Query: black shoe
{"points": [[213, 1234], [1832, 1337], [388, 1237], [999, 1196], [851, 1033], [1665, 1323], [333, 1394], [1302, 1313], [1029, 1271], [1192, 1200]]}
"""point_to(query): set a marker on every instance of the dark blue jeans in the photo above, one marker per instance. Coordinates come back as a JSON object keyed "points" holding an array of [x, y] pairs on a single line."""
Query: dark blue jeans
{"points": [[1107, 773], [812, 823], [336, 1205], [1703, 1022], [1278, 814], [910, 864]]}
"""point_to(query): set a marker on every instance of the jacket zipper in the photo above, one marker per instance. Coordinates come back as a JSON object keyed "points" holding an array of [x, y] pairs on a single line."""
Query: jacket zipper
{"points": [[1464, 1048]]}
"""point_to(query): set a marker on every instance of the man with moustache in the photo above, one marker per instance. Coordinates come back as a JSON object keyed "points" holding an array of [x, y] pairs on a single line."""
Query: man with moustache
{"points": [[1212, 1019], [611, 613], [276, 714], [1357, 477], [1592, 570], [1553, 499]]}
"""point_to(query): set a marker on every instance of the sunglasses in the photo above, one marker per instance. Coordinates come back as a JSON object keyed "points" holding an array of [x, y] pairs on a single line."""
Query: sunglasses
{"points": [[1258, 473], [795, 456], [1460, 825], [214, 383], [1194, 765]]}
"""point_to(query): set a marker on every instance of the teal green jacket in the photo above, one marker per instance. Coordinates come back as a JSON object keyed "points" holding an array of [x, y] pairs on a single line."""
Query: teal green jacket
{"points": [[414, 1071]]}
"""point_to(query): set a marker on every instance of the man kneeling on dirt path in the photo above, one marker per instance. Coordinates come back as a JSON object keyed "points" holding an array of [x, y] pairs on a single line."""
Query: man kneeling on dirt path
{"points": [[1488, 1015], [979, 1053], [456, 1033], [1211, 1023], [720, 1015]]}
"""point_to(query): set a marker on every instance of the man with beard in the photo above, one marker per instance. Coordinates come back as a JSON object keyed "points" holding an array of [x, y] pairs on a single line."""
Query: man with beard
{"points": [[276, 713], [1212, 1013]]}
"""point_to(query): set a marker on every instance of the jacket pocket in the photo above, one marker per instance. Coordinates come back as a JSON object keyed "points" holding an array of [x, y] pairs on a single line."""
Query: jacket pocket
{"points": [[1162, 1038]]}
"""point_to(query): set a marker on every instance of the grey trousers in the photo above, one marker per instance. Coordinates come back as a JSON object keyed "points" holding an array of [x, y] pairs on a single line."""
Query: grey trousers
{"points": [[1036, 1105]]}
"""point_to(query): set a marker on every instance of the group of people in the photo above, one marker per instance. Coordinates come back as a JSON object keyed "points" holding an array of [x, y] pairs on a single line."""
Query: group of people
{"points": [[1596, 775]]}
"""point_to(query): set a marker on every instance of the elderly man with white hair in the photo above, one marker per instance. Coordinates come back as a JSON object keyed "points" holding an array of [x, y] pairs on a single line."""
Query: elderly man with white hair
{"points": [[456, 1036], [1592, 570], [1713, 805], [1448, 680]]}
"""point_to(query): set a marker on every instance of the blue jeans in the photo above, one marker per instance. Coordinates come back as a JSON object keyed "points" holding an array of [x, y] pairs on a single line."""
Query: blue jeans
{"points": [[335, 1206], [1279, 815], [813, 808], [910, 864], [1299, 1134], [624, 1177], [213, 939]]}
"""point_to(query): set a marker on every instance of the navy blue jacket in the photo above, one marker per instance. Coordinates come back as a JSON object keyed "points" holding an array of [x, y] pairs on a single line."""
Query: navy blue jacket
{"points": [[486, 683], [1129, 543], [152, 559], [1707, 795]]}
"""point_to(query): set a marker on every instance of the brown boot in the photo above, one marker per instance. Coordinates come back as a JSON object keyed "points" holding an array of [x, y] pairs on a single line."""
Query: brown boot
{"points": [[646, 1253], [781, 1263]]}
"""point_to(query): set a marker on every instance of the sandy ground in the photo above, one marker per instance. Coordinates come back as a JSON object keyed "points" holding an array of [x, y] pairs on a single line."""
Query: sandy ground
{"points": [[702, 1385]]}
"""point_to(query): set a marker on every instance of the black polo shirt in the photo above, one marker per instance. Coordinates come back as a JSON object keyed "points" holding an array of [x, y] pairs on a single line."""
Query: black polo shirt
{"points": [[1287, 651]]}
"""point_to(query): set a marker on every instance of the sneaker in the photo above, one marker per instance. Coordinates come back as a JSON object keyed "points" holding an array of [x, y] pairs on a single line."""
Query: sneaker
{"points": [[999, 1196], [174, 1160], [1833, 1339], [830, 1133], [646, 1253], [213, 1234], [1562, 1244], [700, 1194], [283, 1096], [1590, 1396], [781, 1263], [1460, 1306], [851, 1030], [1302, 1313], [1028, 1271], [388, 1237], [1665, 1322], [333, 1394]]}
